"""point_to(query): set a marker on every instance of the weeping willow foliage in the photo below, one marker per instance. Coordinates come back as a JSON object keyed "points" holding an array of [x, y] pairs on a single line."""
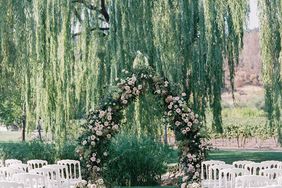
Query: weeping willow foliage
{"points": [[65, 58], [270, 38], [185, 41]]}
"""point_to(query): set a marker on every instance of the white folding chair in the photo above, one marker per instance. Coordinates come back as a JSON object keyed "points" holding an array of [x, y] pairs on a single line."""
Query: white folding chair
{"points": [[227, 176], [23, 167], [271, 164], [62, 171], [51, 176], [31, 180], [1, 163], [8, 172], [8, 162], [251, 181], [74, 170], [214, 170], [241, 164], [255, 168], [205, 173], [35, 163], [9, 184], [271, 173], [205, 167]]}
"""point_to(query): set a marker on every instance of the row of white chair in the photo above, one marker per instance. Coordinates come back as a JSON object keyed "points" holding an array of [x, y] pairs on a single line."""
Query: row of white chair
{"points": [[31, 164], [218, 174], [253, 167], [66, 173]]}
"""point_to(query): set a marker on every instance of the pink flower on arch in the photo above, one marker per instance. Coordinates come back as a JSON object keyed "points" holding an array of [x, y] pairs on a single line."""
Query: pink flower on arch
{"points": [[115, 127], [93, 158], [169, 99], [99, 133], [177, 123], [178, 110]]}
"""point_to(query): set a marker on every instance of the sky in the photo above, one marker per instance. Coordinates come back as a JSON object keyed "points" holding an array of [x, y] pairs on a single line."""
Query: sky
{"points": [[253, 21]]}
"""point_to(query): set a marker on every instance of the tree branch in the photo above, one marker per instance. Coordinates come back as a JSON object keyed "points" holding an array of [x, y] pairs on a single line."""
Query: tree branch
{"points": [[87, 4], [77, 15], [93, 29], [104, 11]]}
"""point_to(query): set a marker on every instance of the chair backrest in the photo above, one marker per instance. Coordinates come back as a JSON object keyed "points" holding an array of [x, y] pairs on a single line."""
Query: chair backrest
{"points": [[8, 172], [205, 167], [52, 177], [33, 164], [255, 168], [1, 163], [251, 181], [271, 173], [9, 184], [227, 176], [214, 170], [23, 167], [8, 162], [271, 164], [241, 164], [73, 167], [31, 180], [51, 174], [62, 170]]}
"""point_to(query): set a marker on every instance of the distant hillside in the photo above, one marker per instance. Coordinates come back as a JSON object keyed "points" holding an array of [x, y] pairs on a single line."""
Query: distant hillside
{"points": [[248, 72]]}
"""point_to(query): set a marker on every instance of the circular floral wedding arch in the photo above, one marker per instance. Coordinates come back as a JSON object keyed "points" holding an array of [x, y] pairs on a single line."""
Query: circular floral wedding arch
{"points": [[103, 122]]}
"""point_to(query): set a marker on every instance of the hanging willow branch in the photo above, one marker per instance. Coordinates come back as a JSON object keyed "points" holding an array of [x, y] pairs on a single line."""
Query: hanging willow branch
{"points": [[271, 53]]}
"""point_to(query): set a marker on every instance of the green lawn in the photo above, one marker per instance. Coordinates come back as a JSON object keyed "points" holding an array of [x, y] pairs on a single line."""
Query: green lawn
{"points": [[236, 155], [257, 156]]}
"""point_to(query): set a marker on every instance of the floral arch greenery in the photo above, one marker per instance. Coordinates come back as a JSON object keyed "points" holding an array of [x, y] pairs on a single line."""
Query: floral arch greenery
{"points": [[103, 122]]}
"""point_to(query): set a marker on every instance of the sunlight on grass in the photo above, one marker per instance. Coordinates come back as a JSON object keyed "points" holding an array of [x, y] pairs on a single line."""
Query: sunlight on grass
{"points": [[256, 156]]}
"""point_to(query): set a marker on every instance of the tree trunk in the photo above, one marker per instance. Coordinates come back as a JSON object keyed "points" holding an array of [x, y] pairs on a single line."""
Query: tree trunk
{"points": [[24, 126], [165, 134]]}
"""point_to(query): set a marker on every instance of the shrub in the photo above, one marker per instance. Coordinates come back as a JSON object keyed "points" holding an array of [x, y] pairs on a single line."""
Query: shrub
{"points": [[67, 151], [28, 150], [135, 161], [25, 151]]}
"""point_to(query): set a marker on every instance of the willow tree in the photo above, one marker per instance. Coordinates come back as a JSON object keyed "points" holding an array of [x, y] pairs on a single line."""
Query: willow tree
{"points": [[186, 41], [68, 53], [270, 39], [12, 50]]}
